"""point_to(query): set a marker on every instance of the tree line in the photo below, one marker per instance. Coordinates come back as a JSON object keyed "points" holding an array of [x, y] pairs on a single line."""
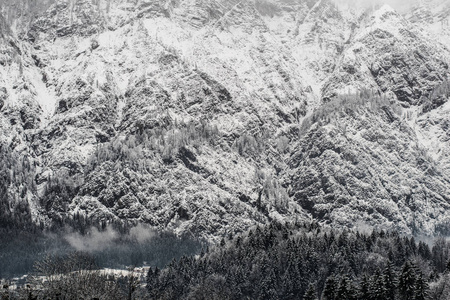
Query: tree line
{"points": [[307, 261], [277, 261], [16, 185], [333, 110]]}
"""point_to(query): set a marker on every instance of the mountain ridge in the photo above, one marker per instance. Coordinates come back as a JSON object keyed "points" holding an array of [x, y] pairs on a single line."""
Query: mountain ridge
{"points": [[213, 117]]}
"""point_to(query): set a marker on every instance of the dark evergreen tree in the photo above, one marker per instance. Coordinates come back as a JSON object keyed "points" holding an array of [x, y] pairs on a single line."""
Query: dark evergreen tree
{"points": [[280, 262], [438, 254], [377, 287], [310, 293], [421, 287], [389, 282], [424, 250], [269, 287], [407, 281], [346, 289], [330, 289], [364, 288]]}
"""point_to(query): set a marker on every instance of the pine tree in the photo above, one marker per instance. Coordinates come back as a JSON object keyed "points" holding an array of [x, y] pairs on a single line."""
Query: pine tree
{"points": [[330, 289], [407, 281], [377, 287], [421, 287], [343, 291], [364, 288], [424, 250], [439, 259], [269, 287], [310, 293], [346, 290], [389, 282], [152, 279]]}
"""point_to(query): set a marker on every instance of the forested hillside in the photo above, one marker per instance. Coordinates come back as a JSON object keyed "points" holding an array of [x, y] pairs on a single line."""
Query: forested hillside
{"points": [[288, 261], [269, 130], [277, 261]]}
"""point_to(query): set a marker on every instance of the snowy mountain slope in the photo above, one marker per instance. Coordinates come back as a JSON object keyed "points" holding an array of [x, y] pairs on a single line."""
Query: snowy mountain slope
{"points": [[211, 116], [431, 121], [362, 163], [100, 97], [388, 55], [432, 131], [433, 17]]}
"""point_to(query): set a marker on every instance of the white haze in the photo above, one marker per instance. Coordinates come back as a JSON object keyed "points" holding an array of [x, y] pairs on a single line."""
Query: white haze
{"points": [[95, 240], [141, 233]]}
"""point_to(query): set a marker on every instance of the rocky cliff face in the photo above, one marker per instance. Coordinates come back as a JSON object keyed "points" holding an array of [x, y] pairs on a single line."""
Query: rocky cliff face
{"points": [[389, 55], [363, 160], [433, 18], [211, 116]]}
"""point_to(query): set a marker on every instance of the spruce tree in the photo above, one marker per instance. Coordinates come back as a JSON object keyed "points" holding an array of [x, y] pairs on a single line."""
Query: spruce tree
{"points": [[377, 287], [343, 289], [346, 289], [389, 282], [310, 293], [407, 281], [330, 289], [422, 287], [424, 250], [364, 288]]}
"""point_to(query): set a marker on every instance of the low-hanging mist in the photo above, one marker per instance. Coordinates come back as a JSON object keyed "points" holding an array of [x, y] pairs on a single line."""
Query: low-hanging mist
{"points": [[95, 240], [110, 249]]}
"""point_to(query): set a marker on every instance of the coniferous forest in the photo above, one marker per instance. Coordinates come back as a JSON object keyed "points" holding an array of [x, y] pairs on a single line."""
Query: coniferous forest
{"points": [[277, 261], [287, 261], [225, 149]]}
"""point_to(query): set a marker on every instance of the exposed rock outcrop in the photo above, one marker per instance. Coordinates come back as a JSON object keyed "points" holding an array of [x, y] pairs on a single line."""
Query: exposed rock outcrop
{"points": [[213, 116]]}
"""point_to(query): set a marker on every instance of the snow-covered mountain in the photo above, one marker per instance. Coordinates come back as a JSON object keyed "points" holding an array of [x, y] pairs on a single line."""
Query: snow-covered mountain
{"points": [[211, 116]]}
